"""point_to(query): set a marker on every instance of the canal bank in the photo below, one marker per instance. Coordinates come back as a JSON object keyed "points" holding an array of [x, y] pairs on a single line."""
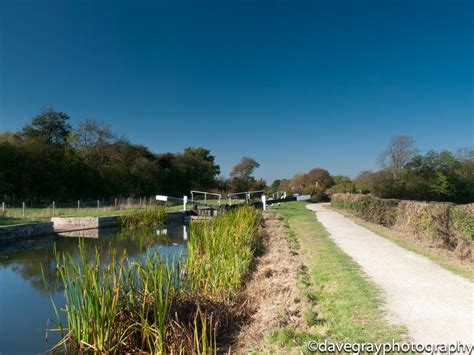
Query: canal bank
{"points": [[61, 225]]}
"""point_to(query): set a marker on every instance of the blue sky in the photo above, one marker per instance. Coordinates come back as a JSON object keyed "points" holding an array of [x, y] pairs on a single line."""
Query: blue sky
{"points": [[295, 84]]}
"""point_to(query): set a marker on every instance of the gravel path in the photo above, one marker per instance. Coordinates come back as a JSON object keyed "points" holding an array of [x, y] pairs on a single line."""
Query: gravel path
{"points": [[434, 304]]}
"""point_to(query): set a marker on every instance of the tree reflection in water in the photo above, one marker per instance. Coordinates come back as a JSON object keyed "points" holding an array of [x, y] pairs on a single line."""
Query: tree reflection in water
{"points": [[27, 257]]}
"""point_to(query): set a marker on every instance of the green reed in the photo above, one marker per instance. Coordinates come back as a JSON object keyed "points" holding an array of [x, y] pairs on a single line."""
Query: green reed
{"points": [[153, 216], [220, 252], [154, 305]]}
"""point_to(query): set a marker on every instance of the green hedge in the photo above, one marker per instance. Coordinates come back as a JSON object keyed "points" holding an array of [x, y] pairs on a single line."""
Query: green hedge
{"points": [[368, 207], [445, 225]]}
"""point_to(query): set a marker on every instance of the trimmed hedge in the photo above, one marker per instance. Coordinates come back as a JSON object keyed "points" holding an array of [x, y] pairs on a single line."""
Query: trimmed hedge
{"points": [[444, 225]]}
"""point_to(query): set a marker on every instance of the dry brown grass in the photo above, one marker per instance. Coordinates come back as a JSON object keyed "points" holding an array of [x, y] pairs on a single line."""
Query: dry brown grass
{"points": [[271, 296]]}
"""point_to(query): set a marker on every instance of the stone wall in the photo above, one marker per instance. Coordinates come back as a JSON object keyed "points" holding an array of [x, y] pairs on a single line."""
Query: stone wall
{"points": [[67, 223], [26, 230]]}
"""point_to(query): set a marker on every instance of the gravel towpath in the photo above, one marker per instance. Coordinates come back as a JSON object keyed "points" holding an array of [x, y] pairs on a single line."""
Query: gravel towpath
{"points": [[434, 304]]}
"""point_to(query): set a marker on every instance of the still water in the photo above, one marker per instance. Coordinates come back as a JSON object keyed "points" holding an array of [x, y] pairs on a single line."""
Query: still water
{"points": [[25, 304]]}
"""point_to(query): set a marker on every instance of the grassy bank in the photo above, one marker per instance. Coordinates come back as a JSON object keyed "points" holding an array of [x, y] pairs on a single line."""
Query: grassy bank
{"points": [[14, 216], [442, 258], [155, 305], [346, 306]]}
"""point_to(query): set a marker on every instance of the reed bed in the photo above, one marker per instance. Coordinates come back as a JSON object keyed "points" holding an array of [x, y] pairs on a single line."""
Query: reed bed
{"points": [[153, 216], [155, 305]]}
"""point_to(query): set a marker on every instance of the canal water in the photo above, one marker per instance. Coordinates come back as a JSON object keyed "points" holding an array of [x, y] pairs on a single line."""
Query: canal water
{"points": [[25, 304]]}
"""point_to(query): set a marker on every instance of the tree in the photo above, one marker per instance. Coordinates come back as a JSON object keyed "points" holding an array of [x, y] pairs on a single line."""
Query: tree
{"points": [[245, 168], [50, 128], [342, 184], [241, 175], [275, 186], [199, 167], [399, 152], [319, 178], [92, 140]]}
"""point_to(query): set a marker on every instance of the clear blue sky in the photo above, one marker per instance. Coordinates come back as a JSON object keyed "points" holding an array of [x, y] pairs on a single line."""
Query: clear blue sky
{"points": [[295, 84]]}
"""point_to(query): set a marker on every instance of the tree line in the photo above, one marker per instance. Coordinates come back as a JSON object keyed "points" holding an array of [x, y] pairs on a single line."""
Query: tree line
{"points": [[404, 173], [49, 158]]}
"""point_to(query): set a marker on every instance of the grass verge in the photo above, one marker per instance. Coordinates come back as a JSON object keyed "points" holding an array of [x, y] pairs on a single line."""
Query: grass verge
{"points": [[441, 258], [347, 306]]}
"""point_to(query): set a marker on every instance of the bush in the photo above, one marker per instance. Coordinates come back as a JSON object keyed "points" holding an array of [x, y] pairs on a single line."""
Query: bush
{"points": [[368, 207], [318, 194], [462, 225], [427, 220]]}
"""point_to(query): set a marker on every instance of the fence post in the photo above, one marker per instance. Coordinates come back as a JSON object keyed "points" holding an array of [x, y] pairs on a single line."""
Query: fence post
{"points": [[54, 207], [98, 204], [23, 205], [3, 207], [78, 205]]}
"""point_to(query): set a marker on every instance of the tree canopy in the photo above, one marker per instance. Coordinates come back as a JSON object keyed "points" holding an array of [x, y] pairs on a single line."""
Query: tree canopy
{"points": [[49, 158]]}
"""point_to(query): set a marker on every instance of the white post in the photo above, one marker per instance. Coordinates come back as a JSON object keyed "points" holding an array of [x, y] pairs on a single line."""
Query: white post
{"points": [[115, 201], [185, 232], [3, 207], [23, 209], [264, 202], [78, 205], [54, 207], [185, 202], [192, 196], [205, 197], [98, 204], [230, 201]]}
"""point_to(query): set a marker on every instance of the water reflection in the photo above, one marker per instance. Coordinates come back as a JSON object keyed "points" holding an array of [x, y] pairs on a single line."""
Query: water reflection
{"points": [[24, 297]]}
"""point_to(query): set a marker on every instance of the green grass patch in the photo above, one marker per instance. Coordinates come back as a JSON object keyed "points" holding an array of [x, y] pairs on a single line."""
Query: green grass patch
{"points": [[350, 305], [8, 221]]}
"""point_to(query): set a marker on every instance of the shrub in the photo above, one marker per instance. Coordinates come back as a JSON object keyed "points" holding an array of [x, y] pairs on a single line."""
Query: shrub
{"points": [[368, 207], [318, 194], [443, 224], [427, 220], [462, 225]]}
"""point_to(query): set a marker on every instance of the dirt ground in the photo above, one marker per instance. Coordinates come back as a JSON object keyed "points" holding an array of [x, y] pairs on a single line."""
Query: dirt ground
{"points": [[271, 296]]}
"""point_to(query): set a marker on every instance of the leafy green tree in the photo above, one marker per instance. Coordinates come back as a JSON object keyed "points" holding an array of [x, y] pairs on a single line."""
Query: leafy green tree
{"points": [[342, 184], [50, 128]]}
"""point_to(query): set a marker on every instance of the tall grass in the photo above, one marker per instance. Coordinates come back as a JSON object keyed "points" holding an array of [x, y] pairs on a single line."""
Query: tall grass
{"points": [[148, 217], [220, 252], [156, 305]]}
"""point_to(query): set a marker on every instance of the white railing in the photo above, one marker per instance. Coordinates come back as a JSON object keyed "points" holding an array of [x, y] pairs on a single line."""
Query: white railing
{"points": [[205, 193]]}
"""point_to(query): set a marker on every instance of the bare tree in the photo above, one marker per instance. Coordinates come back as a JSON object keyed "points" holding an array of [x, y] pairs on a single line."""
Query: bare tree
{"points": [[399, 152]]}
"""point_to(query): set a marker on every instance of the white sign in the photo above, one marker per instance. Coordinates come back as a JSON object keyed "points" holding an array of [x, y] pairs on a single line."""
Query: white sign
{"points": [[161, 198], [303, 198]]}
